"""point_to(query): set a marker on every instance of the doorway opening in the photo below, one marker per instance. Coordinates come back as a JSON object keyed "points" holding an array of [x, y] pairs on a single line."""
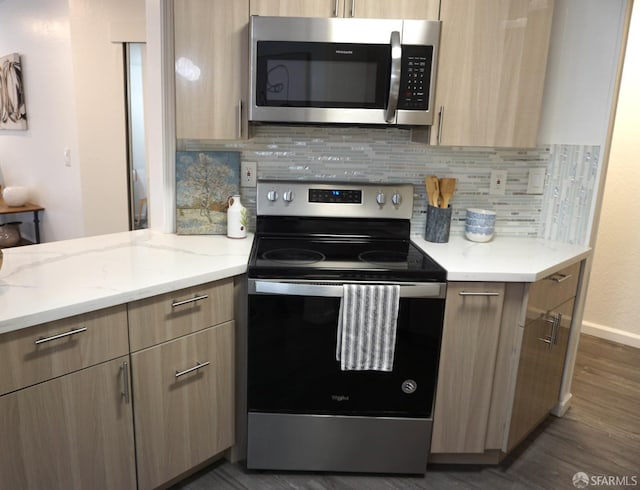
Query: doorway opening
{"points": [[137, 161]]}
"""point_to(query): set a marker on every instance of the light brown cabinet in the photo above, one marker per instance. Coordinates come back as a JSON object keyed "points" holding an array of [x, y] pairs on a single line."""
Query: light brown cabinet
{"points": [[491, 71], [211, 60], [467, 363], [543, 351], [182, 365], [72, 432], [184, 403], [68, 388], [380, 9]]}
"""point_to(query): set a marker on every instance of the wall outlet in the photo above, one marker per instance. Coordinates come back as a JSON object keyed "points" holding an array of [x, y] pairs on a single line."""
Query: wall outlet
{"points": [[248, 174], [535, 184], [498, 182]]}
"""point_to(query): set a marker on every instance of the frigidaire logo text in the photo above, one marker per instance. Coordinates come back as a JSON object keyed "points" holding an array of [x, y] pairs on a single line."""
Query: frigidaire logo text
{"points": [[340, 398], [343, 51]]}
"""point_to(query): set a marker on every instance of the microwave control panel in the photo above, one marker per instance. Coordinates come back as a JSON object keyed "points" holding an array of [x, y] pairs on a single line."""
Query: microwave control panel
{"points": [[415, 77]]}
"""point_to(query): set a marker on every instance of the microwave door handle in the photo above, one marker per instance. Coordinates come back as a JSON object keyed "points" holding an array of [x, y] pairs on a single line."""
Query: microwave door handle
{"points": [[394, 86]]}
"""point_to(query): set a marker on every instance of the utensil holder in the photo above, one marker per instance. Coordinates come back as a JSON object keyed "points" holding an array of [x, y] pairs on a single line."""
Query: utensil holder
{"points": [[438, 224]]}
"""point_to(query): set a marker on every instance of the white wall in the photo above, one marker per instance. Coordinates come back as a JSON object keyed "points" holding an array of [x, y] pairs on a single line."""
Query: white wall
{"points": [[612, 308], [39, 31]]}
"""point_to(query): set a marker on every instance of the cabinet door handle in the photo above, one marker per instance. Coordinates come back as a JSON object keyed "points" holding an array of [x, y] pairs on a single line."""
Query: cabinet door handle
{"points": [[559, 277], [353, 8], [240, 119], [190, 300], [191, 369], [477, 293], [335, 8], [440, 124], [42, 340], [556, 328], [125, 393]]}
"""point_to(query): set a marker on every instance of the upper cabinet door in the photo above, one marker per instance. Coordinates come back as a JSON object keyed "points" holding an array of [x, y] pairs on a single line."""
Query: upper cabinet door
{"points": [[396, 9], [374, 9], [491, 70], [211, 55], [298, 8]]}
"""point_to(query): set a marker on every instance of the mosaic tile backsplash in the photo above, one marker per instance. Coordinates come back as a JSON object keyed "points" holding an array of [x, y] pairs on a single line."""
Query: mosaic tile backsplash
{"points": [[388, 155]]}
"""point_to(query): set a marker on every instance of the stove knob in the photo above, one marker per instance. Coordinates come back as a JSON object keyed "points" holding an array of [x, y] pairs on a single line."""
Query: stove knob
{"points": [[272, 196], [288, 196], [396, 199], [381, 198]]}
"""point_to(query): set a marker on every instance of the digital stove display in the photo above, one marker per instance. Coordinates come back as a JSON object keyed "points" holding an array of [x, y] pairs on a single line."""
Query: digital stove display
{"points": [[341, 196]]}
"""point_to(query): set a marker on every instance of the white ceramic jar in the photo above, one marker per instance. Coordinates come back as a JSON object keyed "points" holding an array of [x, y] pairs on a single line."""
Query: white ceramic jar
{"points": [[236, 218], [15, 196]]}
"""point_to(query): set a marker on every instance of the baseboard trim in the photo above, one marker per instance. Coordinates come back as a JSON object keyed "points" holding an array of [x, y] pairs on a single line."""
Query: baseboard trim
{"points": [[610, 333], [562, 406]]}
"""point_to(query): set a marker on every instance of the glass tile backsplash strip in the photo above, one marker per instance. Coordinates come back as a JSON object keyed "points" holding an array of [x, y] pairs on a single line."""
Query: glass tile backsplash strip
{"points": [[388, 155], [570, 191]]}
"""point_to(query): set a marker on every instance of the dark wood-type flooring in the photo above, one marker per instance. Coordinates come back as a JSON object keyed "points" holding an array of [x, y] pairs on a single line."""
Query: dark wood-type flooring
{"points": [[599, 435]]}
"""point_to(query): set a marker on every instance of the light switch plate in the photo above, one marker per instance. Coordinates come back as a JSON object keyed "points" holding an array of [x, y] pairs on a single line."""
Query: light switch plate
{"points": [[535, 184], [248, 174], [498, 182]]}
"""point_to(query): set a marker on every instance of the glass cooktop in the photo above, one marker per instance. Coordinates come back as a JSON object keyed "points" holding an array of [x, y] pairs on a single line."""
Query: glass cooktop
{"points": [[335, 258]]}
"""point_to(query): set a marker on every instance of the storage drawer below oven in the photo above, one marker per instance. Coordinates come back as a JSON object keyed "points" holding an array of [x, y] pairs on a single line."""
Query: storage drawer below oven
{"points": [[337, 443]]}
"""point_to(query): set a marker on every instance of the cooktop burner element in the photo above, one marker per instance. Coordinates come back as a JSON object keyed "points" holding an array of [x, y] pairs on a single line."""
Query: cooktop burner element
{"points": [[293, 256]]}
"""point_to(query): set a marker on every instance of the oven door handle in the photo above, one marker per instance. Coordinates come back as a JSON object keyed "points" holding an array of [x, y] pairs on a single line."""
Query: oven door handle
{"points": [[329, 290]]}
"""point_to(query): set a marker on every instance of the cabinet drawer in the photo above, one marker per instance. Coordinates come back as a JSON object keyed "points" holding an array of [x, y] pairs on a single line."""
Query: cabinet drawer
{"points": [[168, 316], [35, 354], [183, 403], [553, 290]]}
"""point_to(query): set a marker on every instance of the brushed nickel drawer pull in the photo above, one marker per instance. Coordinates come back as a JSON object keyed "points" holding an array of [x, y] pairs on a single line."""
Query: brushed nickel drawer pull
{"points": [[190, 300], [478, 293], [560, 277], [191, 369], [42, 340]]}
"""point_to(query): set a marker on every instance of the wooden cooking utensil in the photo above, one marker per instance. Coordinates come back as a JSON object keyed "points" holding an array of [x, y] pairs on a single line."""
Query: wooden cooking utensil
{"points": [[447, 188], [433, 189]]}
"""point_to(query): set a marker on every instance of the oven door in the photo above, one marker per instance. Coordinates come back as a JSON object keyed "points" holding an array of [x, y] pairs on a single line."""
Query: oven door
{"points": [[292, 367]]}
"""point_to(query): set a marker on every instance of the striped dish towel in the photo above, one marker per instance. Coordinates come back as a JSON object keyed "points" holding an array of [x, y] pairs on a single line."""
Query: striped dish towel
{"points": [[367, 327]]}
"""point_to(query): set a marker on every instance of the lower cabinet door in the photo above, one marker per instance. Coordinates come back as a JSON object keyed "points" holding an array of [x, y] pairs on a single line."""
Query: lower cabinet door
{"points": [[467, 362], [183, 403], [72, 432], [542, 355]]}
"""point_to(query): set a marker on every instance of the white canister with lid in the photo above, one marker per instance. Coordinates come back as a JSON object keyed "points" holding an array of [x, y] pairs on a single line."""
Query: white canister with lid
{"points": [[236, 218]]}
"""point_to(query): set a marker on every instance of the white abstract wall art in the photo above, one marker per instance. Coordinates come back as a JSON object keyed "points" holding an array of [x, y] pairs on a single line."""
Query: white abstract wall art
{"points": [[13, 111]]}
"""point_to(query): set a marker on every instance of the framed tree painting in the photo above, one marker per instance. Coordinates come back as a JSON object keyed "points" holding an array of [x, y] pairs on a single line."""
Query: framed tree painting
{"points": [[13, 111], [204, 182]]}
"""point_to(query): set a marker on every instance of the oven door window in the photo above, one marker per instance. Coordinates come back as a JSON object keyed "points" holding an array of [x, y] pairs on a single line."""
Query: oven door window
{"points": [[324, 75], [292, 365]]}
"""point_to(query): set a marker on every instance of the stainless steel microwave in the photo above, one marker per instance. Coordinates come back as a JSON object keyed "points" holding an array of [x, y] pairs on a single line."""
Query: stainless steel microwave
{"points": [[343, 70]]}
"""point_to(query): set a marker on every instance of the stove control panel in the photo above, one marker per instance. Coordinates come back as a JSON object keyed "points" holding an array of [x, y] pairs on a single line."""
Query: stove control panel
{"points": [[331, 199]]}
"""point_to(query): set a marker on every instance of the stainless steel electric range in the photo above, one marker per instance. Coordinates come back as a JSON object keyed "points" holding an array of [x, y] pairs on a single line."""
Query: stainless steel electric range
{"points": [[305, 411]]}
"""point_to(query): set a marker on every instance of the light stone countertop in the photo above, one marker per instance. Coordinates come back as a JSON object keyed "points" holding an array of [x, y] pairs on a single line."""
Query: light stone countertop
{"points": [[50, 281], [504, 259]]}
